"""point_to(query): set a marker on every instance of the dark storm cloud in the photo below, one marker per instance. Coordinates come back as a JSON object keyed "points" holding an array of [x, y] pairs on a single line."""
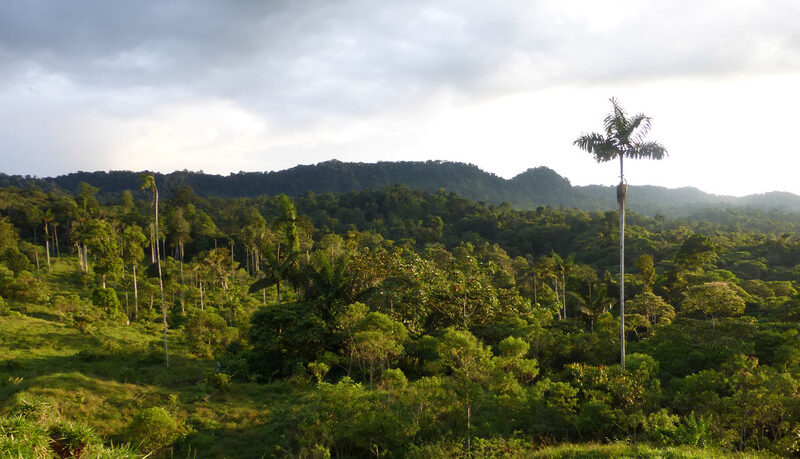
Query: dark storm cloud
{"points": [[318, 56]]}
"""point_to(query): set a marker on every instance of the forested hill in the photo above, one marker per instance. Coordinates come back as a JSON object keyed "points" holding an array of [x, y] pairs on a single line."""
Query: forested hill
{"points": [[530, 189]]}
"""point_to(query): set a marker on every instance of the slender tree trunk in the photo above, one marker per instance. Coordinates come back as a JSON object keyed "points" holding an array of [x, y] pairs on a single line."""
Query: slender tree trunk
{"points": [[469, 427], [47, 245], [36, 256], [161, 281], [127, 310], [278, 277], [555, 289], [55, 235], [180, 244], [135, 295], [621, 194], [564, 291], [80, 256], [152, 244], [201, 297]]}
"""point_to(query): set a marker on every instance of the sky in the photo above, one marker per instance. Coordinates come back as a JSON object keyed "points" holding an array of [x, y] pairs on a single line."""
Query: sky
{"points": [[228, 86]]}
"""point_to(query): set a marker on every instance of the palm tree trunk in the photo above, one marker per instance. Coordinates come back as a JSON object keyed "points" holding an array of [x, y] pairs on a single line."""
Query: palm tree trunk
{"points": [[135, 295], [555, 289], [278, 277], [564, 291], [47, 245], [621, 193], [55, 235], [160, 281]]}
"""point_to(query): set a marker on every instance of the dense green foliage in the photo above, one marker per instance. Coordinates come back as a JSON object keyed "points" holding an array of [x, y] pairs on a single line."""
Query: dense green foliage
{"points": [[389, 322], [535, 187]]}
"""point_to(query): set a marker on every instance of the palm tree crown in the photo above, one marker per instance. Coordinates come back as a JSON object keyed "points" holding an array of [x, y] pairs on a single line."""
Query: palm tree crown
{"points": [[624, 138]]}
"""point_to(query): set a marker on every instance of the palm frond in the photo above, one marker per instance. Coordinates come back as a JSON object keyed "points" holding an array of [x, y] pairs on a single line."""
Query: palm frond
{"points": [[638, 127], [649, 150], [601, 147]]}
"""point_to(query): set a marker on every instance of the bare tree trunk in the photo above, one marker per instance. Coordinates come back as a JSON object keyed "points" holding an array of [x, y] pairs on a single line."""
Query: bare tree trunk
{"points": [[55, 235], [47, 245], [622, 190], [564, 291], [160, 280], [180, 243], [555, 289], [278, 277], [152, 244], [135, 295], [469, 427], [80, 256]]}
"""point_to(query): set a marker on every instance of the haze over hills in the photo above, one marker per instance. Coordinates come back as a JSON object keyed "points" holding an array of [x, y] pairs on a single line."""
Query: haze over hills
{"points": [[535, 187]]}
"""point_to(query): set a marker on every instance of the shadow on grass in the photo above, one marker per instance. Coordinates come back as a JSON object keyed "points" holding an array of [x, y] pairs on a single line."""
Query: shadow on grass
{"points": [[122, 367]]}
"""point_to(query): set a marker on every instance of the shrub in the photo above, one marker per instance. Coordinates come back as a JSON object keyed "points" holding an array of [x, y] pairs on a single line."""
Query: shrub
{"points": [[106, 298], [154, 429], [219, 381]]}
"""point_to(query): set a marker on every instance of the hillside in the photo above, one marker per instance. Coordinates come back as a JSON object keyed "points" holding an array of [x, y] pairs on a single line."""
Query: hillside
{"points": [[392, 323], [528, 190]]}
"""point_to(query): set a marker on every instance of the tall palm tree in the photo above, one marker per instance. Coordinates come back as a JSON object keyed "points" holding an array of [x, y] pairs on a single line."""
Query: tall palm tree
{"points": [[624, 138], [149, 183]]}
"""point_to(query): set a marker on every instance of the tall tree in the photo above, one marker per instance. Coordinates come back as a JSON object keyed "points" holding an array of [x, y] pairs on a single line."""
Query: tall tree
{"points": [[624, 138], [149, 183], [133, 239], [470, 365], [647, 271]]}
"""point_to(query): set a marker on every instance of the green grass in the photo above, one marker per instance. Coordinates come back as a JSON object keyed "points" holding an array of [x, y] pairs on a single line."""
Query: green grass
{"points": [[624, 450], [98, 377]]}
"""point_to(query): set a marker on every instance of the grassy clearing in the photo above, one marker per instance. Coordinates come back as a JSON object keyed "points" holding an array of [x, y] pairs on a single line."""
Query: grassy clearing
{"points": [[102, 376]]}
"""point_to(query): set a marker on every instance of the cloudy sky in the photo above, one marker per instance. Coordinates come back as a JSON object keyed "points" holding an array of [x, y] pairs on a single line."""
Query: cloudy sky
{"points": [[223, 86]]}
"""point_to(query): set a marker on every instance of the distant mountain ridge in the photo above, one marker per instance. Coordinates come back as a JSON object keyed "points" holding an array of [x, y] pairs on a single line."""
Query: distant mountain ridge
{"points": [[535, 187]]}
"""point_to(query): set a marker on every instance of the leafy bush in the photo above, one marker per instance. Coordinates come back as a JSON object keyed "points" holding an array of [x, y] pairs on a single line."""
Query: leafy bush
{"points": [[154, 429], [219, 381], [105, 298]]}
